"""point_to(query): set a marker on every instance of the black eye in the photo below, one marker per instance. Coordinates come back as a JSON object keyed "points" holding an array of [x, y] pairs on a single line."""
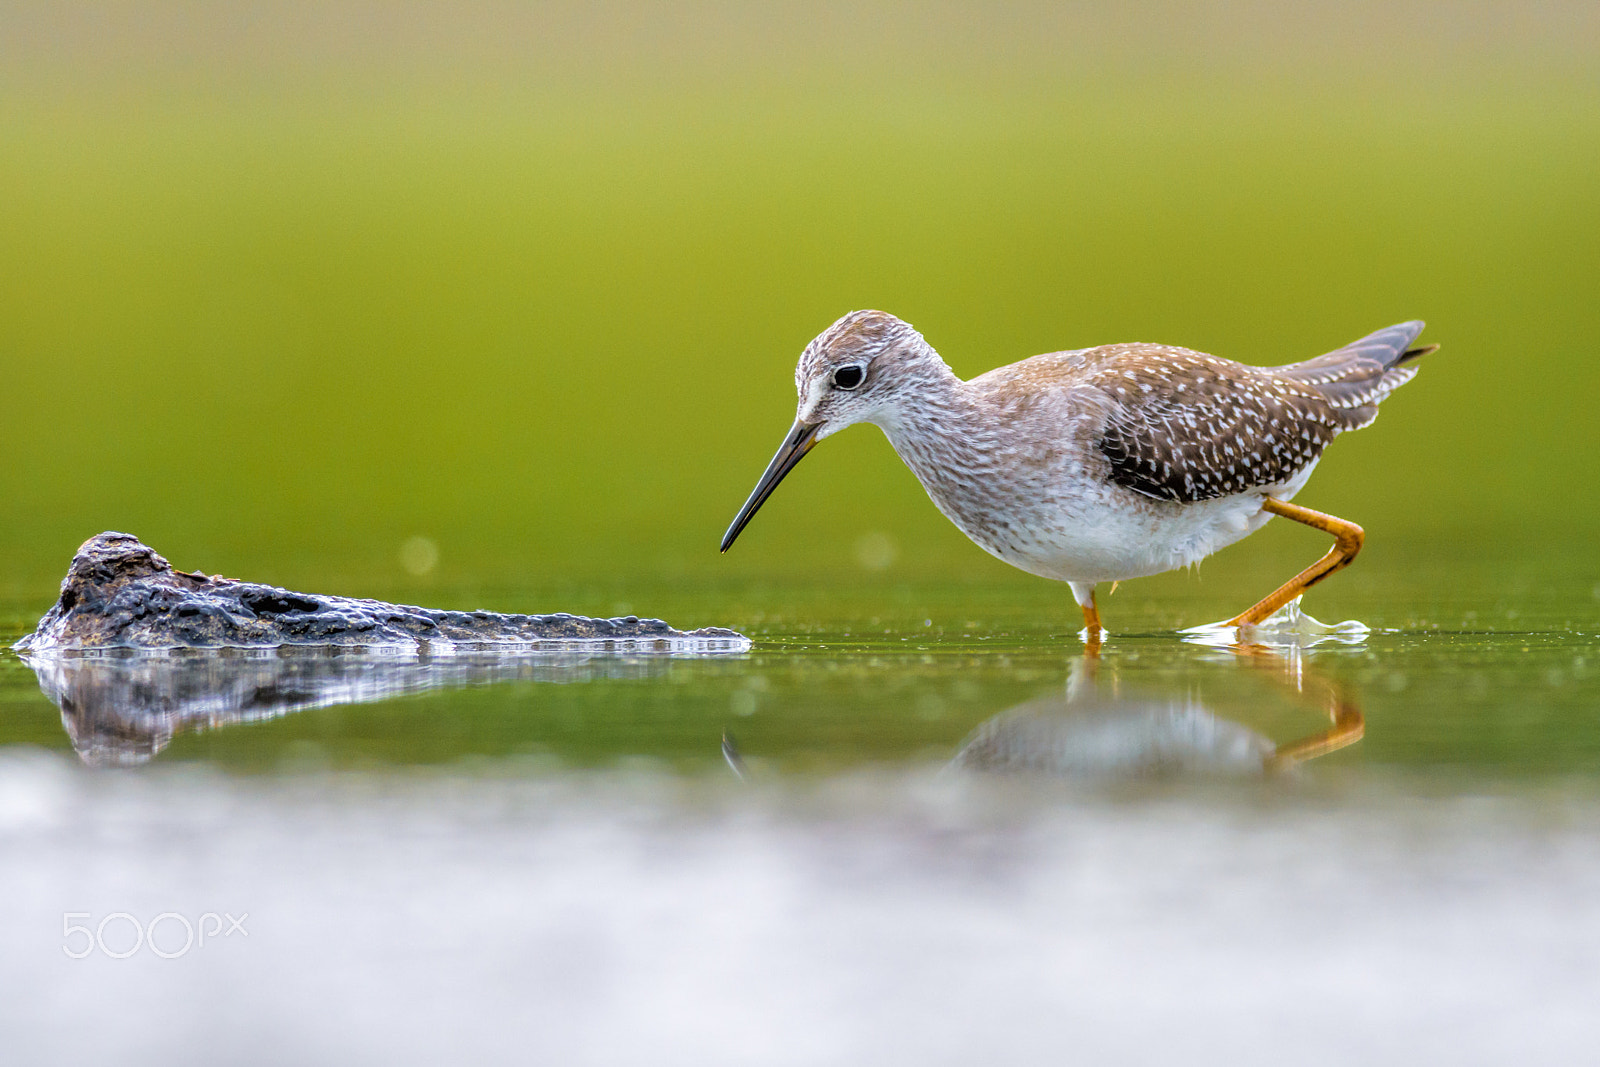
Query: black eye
{"points": [[848, 377]]}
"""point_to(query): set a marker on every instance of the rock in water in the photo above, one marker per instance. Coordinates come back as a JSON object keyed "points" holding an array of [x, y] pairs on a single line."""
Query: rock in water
{"points": [[120, 594]]}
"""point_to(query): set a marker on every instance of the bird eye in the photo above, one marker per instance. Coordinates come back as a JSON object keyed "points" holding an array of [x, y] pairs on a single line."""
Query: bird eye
{"points": [[848, 377]]}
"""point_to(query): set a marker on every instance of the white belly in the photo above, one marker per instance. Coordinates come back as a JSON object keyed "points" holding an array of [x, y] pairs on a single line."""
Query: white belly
{"points": [[1107, 537], [1122, 544]]}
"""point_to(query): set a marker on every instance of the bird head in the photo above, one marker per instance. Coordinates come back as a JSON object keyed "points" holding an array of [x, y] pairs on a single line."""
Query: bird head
{"points": [[857, 370]]}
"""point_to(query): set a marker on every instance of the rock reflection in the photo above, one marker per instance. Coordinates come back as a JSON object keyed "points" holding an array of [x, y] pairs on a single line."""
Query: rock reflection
{"points": [[1096, 730], [123, 708]]}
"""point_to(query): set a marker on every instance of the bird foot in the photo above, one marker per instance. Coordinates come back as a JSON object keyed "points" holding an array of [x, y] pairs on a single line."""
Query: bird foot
{"points": [[1286, 626]]}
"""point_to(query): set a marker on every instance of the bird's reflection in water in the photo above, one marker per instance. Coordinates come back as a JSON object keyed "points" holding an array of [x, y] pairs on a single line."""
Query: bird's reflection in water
{"points": [[1098, 730], [124, 708]]}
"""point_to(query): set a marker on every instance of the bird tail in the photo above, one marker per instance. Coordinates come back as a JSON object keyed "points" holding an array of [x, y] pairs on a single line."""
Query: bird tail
{"points": [[1356, 378]]}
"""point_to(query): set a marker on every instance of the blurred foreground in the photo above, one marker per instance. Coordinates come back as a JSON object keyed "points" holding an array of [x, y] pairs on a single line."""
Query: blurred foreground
{"points": [[888, 917]]}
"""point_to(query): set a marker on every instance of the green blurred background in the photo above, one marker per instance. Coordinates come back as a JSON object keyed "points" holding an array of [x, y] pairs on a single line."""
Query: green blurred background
{"points": [[286, 287]]}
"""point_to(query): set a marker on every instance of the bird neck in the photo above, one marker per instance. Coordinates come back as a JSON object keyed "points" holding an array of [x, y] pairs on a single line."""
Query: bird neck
{"points": [[928, 399], [937, 431]]}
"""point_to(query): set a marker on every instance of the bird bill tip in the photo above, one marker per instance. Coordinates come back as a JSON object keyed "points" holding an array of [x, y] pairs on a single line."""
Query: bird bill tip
{"points": [[802, 437]]}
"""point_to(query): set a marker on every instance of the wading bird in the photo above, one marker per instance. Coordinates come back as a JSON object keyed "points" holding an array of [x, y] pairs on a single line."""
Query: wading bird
{"points": [[1100, 464]]}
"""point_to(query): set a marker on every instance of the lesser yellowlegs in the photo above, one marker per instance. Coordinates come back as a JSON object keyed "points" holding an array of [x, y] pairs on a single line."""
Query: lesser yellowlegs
{"points": [[1099, 464]]}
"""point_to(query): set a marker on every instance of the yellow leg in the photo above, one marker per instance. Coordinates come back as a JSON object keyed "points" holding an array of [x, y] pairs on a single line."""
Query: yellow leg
{"points": [[1347, 542], [1091, 625]]}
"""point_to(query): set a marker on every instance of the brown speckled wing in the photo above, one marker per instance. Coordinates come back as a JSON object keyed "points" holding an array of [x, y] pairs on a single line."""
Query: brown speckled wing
{"points": [[1185, 426]]}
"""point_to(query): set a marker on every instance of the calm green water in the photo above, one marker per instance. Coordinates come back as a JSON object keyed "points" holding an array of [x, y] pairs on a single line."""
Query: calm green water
{"points": [[1465, 698]]}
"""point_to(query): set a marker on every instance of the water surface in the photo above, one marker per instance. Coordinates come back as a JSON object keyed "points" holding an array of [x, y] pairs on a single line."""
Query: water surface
{"points": [[873, 838]]}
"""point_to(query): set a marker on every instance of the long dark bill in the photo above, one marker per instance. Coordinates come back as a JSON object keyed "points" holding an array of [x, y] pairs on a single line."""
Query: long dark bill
{"points": [[791, 452]]}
